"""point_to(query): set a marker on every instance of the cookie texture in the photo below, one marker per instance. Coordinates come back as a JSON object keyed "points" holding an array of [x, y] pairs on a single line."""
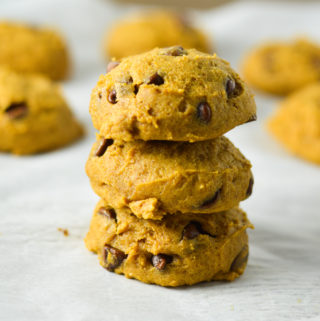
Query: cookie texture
{"points": [[34, 116], [296, 124], [281, 68], [149, 30], [155, 178], [179, 250], [29, 49], [170, 94]]}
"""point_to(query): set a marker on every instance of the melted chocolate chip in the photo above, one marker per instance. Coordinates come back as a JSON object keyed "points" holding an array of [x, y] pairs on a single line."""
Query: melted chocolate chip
{"points": [[136, 89], [17, 110], [192, 230], [252, 118], [250, 187], [160, 261], [113, 257], [212, 200], [112, 97], [204, 113], [103, 145], [176, 51], [112, 65], [156, 79], [109, 213], [240, 259]]}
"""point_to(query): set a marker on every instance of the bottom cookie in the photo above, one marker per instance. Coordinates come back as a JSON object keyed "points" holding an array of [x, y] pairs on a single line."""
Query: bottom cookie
{"points": [[178, 250]]}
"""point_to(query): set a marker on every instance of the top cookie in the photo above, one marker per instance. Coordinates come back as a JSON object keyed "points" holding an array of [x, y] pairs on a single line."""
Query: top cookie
{"points": [[280, 68], [170, 94], [150, 30], [29, 49]]}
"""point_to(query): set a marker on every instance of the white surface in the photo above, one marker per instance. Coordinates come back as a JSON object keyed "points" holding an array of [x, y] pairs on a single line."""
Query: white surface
{"points": [[46, 276]]}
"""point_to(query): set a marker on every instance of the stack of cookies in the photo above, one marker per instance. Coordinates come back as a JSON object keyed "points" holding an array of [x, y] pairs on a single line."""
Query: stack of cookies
{"points": [[169, 183]]}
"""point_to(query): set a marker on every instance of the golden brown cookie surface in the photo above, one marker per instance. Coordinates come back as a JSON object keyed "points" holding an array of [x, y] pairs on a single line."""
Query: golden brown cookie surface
{"points": [[170, 94], [150, 30], [159, 177], [29, 49], [296, 124], [34, 116], [179, 250], [281, 68]]}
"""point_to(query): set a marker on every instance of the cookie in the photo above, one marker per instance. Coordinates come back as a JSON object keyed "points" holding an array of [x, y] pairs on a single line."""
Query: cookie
{"points": [[296, 124], [170, 94], [281, 68], [150, 30], [179, 250], [29, 49], [159, 177], [34, 116]]}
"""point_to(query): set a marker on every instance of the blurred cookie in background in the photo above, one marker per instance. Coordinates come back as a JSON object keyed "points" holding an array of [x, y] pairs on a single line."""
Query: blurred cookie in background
{"points": [[147, 30], [282, 67], [28, 49], [296, 124], [34, 116]]}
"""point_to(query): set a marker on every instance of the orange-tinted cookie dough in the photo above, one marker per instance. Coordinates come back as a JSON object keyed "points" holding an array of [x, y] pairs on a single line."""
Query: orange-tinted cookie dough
{"points": [[170, 94], [179, 250], [149, 30], [296, 124], [154, 178], [34, 116], [29, 49], [282, 67]]}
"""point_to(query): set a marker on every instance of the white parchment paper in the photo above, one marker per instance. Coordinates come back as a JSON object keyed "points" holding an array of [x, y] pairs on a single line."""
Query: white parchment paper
{"points": [[47, 276]]}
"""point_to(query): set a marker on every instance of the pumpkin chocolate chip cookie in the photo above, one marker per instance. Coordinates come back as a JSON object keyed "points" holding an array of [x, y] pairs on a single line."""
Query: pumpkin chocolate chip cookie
{"points": [[34, 117], [296, 124], [159, 177], [179, 250], [280, 68], [149, 30], [170, 94], [29, 49]]}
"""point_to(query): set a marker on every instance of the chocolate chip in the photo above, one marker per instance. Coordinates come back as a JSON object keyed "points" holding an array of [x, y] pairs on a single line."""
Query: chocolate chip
{"points": [[136, 89], [230, 87], [109, 213], [156, 79], [112, 65], [250, 187], [17, 110], [176, 51], [233, 88], [113, 257], [204, 113], [192, 230], [240, 259], [160, 261], [252, 118], [104, 144], [112, 97], [212, 200]]}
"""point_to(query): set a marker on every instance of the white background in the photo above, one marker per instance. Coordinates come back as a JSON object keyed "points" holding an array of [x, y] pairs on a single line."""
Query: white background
{"points": [[47, 276]]}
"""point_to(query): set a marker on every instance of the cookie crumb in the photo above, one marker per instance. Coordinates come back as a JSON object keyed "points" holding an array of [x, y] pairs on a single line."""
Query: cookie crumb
{"points": [[64, 231]]}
